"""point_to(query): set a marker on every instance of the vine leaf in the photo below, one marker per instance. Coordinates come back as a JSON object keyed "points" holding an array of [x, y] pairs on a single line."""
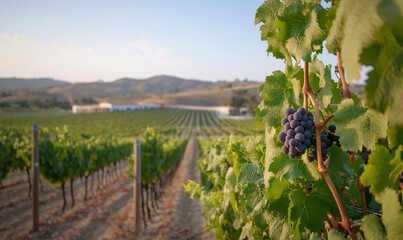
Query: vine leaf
{"points": [[395, 137], [392, 214], [306, 210], [372, 228], [380, 172], [285, 167], [291, 28], [358, 126], [370, 33], [335, 235], [278, 93]]}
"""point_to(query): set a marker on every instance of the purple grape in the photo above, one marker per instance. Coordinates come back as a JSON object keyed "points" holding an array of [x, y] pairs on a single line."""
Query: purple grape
{"points": [[287, 127], [300, 137], [284, 149], [282, 136], [301, 110], [291, 132], [292, 151], [295, 123], [299, 129], [293, 142], [332, 128], [303, 124], [297, 116], [309, 123], [289, 111], [308, 134], [284, 121]]}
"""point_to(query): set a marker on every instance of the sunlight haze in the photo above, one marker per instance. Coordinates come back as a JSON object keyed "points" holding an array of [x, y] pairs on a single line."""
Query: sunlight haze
{"points": [[106, 40]]}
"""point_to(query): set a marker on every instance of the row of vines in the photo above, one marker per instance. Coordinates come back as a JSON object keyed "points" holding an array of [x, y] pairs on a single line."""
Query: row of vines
{"points": [[330, 165], [62, 158]]}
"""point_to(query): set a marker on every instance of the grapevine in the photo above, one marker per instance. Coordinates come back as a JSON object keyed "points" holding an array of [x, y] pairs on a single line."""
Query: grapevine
{"points": [[338, 187]]}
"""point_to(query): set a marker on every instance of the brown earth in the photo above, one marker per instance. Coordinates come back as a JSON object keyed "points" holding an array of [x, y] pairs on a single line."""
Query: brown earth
{"points": [[107, 214]]}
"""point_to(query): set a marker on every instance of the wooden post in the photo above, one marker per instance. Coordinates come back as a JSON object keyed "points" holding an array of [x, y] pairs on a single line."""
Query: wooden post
{"points": [[137, 185], [35, 178]]}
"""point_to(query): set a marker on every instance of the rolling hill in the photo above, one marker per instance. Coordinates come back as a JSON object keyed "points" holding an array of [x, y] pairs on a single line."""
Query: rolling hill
{"points": [[162, 89]]}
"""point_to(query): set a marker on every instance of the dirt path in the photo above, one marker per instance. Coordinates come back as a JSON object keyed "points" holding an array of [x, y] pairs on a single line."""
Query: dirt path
{"points": [[108, 212], [180, 217]]}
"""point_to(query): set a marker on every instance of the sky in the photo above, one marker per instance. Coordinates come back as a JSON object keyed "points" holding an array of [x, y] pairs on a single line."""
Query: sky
{"points": [[81, 41]]}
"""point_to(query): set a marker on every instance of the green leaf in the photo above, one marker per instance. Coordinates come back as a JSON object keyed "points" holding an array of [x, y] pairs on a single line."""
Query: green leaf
{"points": [[335, 235], [291, 169], [353, 28], [370, 33], [339, 170], [292, 28], [395, 137], [392, 214], [277, 93], [384, 88], [372, 228], [306, 211], [358, 126], [380, 172]]}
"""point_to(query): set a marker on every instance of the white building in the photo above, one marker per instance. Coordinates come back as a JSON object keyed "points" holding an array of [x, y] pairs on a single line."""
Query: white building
{"points": [[109, 107]]}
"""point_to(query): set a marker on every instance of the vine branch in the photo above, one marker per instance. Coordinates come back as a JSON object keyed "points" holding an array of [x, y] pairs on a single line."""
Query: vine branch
{"points": [[322, 169], [346, 91]]}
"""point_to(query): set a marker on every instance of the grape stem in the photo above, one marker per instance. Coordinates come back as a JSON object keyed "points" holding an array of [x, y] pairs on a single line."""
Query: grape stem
{"points": [[362, 196], [346, 91], [321, 167]]}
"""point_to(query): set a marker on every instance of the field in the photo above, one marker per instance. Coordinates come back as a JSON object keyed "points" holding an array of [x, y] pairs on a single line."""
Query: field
{"points": [[106, 213]]}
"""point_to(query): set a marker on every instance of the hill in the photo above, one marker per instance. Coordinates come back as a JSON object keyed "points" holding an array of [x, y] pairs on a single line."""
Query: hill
{"points": [[163, 89], [33, 84]]}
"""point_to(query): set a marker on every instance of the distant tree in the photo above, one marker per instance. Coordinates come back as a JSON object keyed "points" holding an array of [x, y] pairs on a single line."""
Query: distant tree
{"points": [[238, 99], [4, 104]]}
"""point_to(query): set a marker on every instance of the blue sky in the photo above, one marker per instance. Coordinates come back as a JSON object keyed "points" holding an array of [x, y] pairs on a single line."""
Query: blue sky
{"points": [[94, 40]]}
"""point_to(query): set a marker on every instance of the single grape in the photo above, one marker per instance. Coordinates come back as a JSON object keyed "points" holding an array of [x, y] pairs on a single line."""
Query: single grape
{"points": [[303, 124], [300, 137], [293, 142], [365, 156], [309, 114], [332, 128], [299, 129], [309, 123], [292, 150], [284, 149], [291, 132], [282, 136], [297, 116], [323, 145], [289, 111], [301, 110], [308, 134], [287, 127], [284, 121], [307, 143], [304, 118], [311, 157]]}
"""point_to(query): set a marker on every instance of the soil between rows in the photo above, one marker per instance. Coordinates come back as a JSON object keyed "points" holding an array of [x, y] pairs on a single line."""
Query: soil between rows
{"points": [[107, 214]]}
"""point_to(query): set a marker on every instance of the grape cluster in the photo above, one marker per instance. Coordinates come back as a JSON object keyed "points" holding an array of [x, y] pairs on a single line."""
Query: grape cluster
{"points": [[328, 138], [298, 132], [365, 154]]}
